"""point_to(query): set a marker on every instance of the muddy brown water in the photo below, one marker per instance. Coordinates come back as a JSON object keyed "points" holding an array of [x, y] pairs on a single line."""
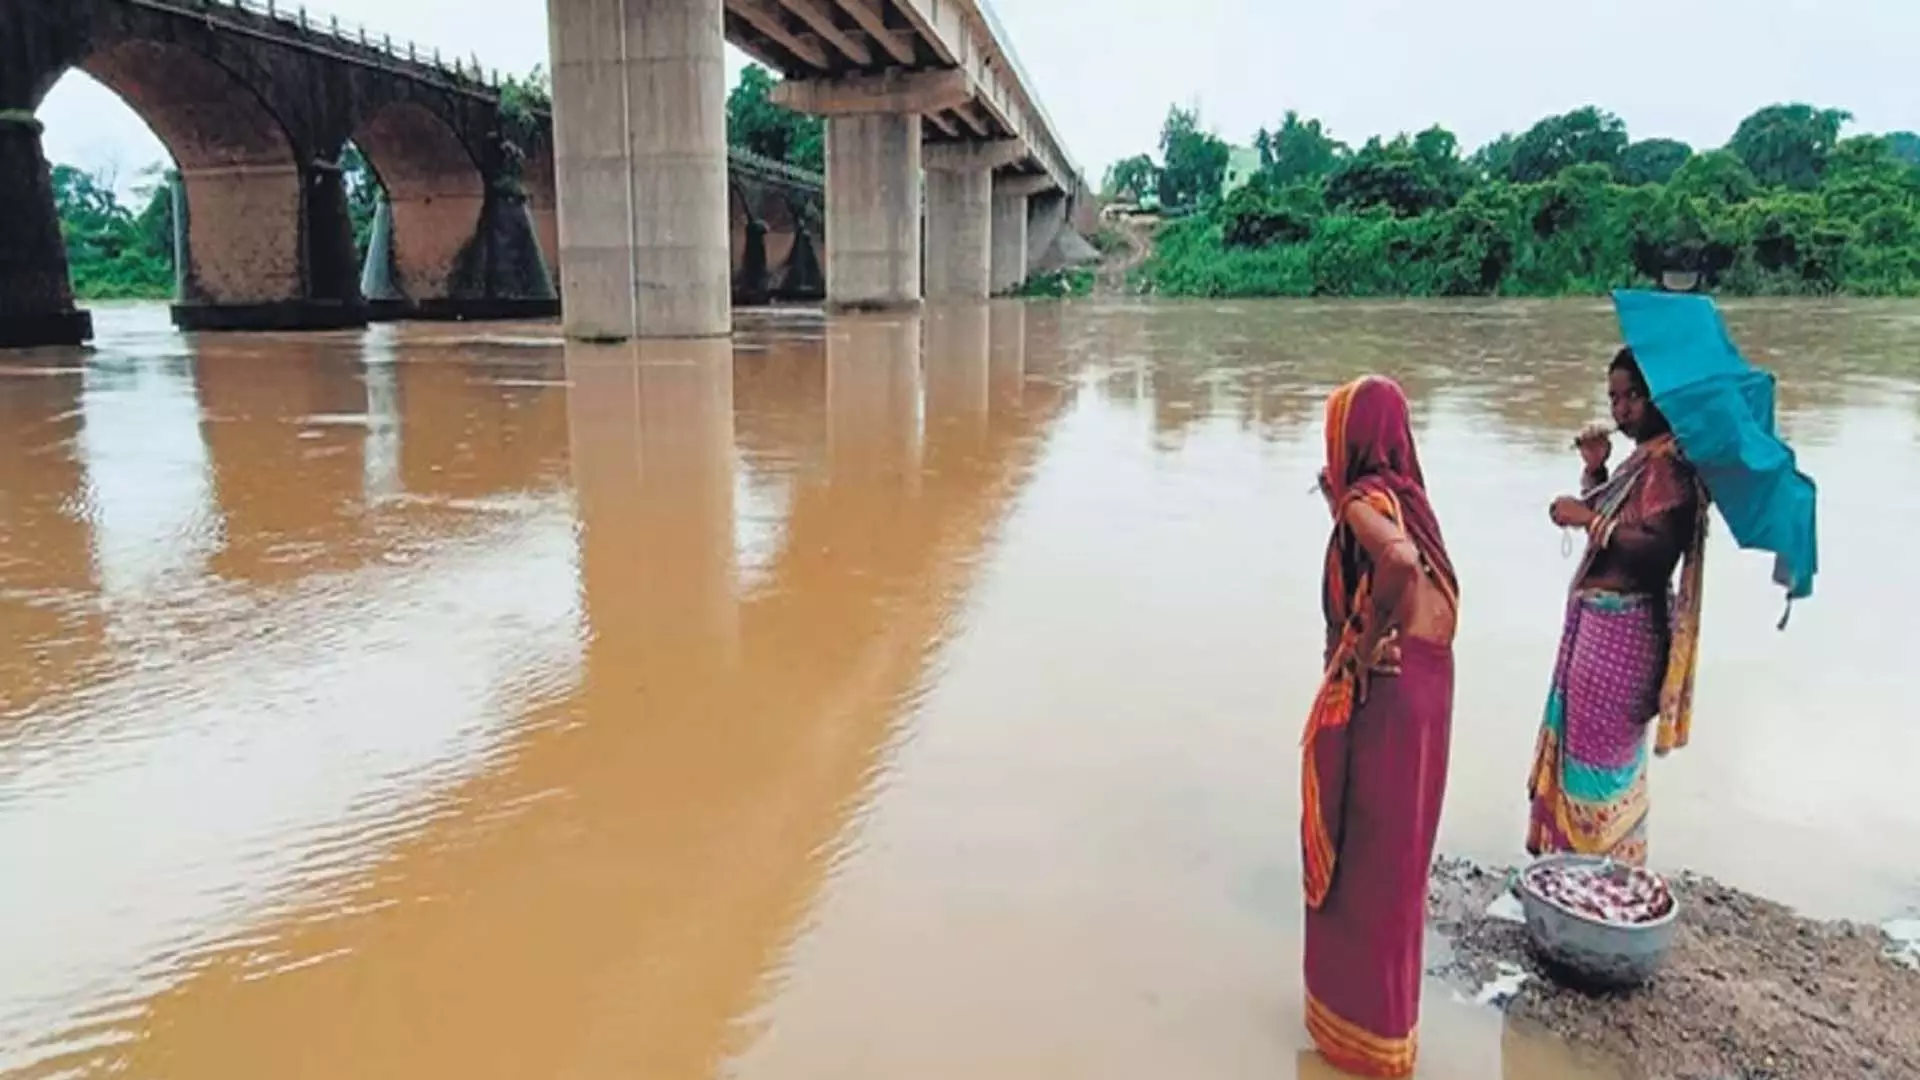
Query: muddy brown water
{"points": [[867, 698]]}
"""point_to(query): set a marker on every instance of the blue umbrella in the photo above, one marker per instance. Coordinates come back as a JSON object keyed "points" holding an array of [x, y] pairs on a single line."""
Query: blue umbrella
{"points": [[1721, 409]]}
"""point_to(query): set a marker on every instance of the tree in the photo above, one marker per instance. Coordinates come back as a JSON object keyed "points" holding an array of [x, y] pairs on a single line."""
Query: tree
{"points": [[1495, 160], [1653, 161], [757, 125], [1408, 176], [1473, 243], [86, 204], [112, 252], [1298, 150], [1194, 162], [524, 100], [363, 195], [153, 228], [1439, 153], [1788, 145], [1863, 177], [1684, 232], [1905, 146], [1587, 136], [1718, 174], [1132, 178], [1264, 213]]}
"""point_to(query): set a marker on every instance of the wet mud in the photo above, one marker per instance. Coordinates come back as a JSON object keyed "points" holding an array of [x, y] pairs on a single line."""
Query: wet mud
{"points": [[1751, 990]]}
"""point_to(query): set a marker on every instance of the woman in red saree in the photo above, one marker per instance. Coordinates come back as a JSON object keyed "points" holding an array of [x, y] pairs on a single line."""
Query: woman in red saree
{"points": [[1374, 763]]}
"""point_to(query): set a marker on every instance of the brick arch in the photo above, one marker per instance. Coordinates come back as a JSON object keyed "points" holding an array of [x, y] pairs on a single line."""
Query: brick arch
{"points": [[238, 164], [437, 192]]}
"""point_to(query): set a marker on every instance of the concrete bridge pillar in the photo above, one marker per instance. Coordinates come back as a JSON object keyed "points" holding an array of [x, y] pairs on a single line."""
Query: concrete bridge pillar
{"points": [[873, 212], [873, 179], [639, 91], [36, 299], [1010, 195], [1046, 219], [959, 257]]}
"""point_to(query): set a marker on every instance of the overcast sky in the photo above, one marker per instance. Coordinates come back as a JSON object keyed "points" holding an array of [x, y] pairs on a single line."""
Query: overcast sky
{"points": [[1107, 69]]}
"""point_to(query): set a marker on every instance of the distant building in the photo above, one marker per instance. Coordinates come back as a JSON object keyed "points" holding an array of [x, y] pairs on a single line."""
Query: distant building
{"points": [[1242, 163]]}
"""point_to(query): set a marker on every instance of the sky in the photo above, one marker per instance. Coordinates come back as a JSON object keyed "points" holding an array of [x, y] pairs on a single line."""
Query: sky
{"points": [[1107, 70]]}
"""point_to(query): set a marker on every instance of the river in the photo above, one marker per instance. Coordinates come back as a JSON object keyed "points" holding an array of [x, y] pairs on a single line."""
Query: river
{"points": [[866, 699]]}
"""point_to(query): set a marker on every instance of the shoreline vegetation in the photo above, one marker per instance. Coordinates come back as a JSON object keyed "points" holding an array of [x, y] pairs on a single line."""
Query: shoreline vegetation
{"points": [[1572, 206]]}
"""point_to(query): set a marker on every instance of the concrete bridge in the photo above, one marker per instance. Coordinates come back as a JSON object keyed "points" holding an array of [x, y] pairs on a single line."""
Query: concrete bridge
{"points": [[256, 106], [904, 85]]}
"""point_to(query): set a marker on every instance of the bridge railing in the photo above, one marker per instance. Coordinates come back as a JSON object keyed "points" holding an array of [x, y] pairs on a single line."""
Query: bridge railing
{"points": [[308, 23], [1005, 42], [752, 161]]}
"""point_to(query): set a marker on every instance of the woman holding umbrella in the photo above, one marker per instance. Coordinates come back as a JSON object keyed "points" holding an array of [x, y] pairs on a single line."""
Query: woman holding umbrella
{"points": [[1627, 648]]}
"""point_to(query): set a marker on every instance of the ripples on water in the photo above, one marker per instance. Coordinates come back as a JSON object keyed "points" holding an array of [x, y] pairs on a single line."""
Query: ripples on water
{"points": [[879, 698]]}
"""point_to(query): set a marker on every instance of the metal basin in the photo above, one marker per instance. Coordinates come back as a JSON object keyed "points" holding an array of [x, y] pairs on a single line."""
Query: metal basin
{"points": [[1598, 954]]}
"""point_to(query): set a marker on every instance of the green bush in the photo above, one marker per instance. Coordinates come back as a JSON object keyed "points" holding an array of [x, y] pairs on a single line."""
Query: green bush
{"points": [[1055, 284]]}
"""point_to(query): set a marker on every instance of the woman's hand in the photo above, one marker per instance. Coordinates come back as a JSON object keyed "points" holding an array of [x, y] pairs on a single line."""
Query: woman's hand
{"points": [[1595, 444], [1569, 512], [1386, 654], [1384, 659]]}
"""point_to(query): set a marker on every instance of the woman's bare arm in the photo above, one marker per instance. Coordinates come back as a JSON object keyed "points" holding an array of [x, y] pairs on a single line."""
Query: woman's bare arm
{"points": [[1396, 568]]}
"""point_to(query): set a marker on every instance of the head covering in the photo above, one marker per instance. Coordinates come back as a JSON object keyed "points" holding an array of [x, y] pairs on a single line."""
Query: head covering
{"points": [[1371, 455]]}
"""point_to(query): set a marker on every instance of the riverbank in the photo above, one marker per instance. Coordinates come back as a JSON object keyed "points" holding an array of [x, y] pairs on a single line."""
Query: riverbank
{"points": [[1751, 989]]}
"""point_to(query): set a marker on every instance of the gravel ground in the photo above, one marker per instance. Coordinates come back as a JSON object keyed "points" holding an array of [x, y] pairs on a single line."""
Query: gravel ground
{"points": [[1751, 991]]}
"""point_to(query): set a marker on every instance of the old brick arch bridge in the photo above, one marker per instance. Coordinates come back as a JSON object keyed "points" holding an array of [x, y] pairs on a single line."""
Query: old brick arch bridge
{"points": [[256, 109]]}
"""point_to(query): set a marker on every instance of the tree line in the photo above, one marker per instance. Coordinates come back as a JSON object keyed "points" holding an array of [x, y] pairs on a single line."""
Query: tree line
{"points": [[1573, 205]]}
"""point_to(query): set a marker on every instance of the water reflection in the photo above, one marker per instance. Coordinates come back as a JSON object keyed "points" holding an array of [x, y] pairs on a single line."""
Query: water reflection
{"points": [[271, 414], [148, 492], [380, 477], [49, 609], [873, 697], [875, 402], [219, 759]]}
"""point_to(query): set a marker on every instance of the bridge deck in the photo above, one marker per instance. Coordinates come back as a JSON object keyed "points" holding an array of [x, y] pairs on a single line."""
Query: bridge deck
{"points": [[825, 38]]}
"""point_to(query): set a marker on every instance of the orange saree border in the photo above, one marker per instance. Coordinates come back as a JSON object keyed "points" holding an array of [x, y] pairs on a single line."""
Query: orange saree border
{"points": [[1351, 1048]]}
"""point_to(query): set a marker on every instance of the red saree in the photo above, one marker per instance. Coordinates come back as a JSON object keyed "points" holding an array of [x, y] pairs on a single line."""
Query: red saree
{"points": [[1373, 772]]}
